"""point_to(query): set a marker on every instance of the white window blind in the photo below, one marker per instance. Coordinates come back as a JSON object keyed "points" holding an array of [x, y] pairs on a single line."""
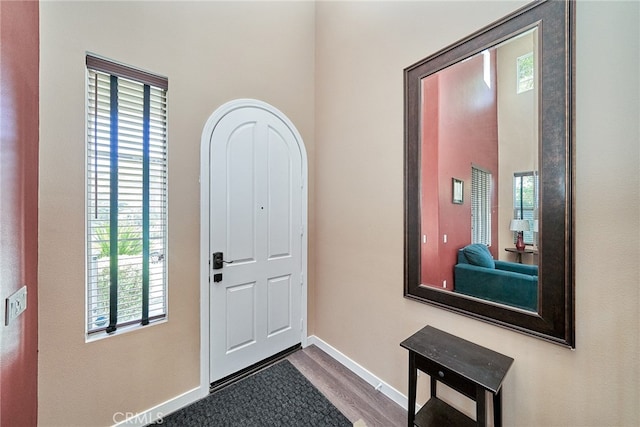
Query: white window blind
{"points": [[126, 196], [480, 206]]}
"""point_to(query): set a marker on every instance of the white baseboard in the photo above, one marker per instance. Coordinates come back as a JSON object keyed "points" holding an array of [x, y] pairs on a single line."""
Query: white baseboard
{"points": [[156, 413], [360, 371]]}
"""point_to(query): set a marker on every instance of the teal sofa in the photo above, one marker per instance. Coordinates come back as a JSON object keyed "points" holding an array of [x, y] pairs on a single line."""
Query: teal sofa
{"points": [[477, 274]]}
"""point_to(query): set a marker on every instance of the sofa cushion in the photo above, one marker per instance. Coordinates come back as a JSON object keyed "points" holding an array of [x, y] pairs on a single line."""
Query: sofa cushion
{"points": [[478, 254]]}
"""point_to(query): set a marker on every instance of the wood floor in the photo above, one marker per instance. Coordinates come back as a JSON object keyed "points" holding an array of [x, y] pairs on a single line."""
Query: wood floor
{"points": [[353, 396]]}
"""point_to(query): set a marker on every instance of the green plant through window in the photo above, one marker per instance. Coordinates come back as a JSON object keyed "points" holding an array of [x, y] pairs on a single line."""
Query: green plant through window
{"points": [[129, 272], [129, 241]]}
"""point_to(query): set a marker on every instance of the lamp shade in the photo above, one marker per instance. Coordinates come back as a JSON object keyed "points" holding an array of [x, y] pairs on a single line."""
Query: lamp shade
{"points": [[519, 225]]}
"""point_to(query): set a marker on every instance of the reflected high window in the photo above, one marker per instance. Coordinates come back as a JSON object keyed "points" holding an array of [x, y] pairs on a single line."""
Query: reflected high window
{"points": [[525, 72]]}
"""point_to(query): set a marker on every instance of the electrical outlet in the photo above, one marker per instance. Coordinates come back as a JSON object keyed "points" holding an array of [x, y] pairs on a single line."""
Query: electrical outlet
{"points": [[16, 304]]}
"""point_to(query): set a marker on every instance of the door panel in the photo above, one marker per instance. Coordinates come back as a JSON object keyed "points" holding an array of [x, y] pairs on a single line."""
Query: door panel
{"points": [[256, 221], [279, 181], [279, 305], [240, 194], [241, 319]]}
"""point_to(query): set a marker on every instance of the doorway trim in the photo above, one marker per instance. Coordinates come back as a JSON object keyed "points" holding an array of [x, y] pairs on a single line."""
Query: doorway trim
{"points": [[205, 151]]}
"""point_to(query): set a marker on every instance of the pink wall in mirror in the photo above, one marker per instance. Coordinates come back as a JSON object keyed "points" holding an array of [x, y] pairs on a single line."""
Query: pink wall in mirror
{"points": [[450, 146]]}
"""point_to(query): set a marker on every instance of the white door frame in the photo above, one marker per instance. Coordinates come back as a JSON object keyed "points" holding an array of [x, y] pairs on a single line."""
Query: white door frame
{"points": [[205, 147]]}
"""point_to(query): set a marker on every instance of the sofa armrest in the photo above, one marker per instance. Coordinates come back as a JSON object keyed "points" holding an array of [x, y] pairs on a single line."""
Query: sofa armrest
{"points": [[529, 270], [505, 287]]}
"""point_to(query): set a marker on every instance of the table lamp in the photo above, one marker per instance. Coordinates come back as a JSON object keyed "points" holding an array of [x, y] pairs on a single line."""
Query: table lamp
{"points": [[519, 225]]}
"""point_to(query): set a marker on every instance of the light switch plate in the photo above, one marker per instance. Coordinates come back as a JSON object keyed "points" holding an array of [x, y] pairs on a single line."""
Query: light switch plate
{"points": [[15, 305]]}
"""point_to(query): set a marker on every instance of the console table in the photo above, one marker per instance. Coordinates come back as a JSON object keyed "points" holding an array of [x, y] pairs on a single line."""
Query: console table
{"points": [[464, 366]]}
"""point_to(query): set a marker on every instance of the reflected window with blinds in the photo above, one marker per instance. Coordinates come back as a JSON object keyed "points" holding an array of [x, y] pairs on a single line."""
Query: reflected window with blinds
{"points": [[126, 196], [480, 206]]}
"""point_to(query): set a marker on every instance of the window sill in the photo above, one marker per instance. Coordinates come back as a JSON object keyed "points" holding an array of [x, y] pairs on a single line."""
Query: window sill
{"points": [[98, 336]]}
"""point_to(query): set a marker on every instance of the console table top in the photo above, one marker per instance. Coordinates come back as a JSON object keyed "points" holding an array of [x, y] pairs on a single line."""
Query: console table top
{"points": [[478, 364]]}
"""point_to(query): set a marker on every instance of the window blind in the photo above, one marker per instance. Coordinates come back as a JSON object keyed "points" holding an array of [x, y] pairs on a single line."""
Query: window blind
{"points": [[126, 198], [480, 206]]}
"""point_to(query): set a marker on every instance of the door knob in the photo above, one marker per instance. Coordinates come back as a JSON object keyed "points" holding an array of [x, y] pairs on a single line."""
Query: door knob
{"points": [[218, 261]]}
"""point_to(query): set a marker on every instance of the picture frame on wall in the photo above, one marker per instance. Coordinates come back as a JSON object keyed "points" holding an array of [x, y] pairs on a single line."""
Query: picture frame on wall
{"points": [[457, 191]]}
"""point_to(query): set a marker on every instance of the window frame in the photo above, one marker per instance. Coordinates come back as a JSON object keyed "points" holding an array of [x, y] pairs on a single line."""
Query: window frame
{"points": [[530, 237], [152, 85], [527, 83]]}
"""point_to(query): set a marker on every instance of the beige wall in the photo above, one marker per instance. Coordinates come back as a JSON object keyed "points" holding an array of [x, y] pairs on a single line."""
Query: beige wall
{"points": [[351, 121], [361, 49], [211, 52], [517, 135]]}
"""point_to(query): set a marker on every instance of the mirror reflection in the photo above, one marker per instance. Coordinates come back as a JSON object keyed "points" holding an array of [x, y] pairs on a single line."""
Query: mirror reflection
{"points": [[489, 158], [479, 174]]}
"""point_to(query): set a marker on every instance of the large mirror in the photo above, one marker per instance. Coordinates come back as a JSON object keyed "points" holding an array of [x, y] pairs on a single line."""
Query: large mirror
{"points": [[489, 171]]}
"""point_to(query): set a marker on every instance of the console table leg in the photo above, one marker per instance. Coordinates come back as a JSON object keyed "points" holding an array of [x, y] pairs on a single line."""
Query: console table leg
{"points": [[481, 407], [413, 377], [497, 409]]}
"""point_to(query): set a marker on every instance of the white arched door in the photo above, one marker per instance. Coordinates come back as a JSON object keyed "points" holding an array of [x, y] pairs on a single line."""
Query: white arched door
{"points": [[257, 235]]}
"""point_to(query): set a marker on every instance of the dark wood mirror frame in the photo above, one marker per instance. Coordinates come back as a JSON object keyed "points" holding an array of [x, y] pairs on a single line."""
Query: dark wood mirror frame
{"points": [[554, 320]]}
